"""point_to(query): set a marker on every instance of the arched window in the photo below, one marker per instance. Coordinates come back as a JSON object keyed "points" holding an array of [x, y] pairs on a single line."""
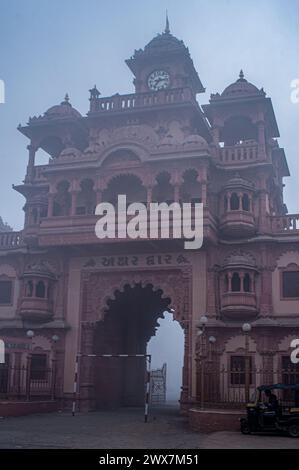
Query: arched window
{"points": [[234, 202], [236, 282], [62, 202], [86, 200], [245, 202], [163, 191], [247, 283], [129, 185], [40, 290], [191, 188]]}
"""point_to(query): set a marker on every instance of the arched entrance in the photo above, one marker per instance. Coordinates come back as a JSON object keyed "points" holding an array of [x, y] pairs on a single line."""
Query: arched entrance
{"points": [[129, 323], [120, 312]]}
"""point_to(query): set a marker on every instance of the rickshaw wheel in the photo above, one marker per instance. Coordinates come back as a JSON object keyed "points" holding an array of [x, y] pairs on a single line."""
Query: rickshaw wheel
{"points": [[245, 429], [293, 430]]}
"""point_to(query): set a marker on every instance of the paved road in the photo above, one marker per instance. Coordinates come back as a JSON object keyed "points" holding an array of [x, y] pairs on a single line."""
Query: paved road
{"points": [[123, 429]]}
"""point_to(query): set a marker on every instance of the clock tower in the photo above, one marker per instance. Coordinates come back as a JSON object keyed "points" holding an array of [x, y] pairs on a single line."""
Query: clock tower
{"points": [[165, 62]]}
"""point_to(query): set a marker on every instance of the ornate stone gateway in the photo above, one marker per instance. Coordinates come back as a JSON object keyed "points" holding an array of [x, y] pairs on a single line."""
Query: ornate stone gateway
{"points": [[119, 313]]}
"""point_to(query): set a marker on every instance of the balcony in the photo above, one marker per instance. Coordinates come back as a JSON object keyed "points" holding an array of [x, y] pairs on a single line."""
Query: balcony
{"points": [[80, 230], [36, 309], [286, 224], [239, 305], [238, 224], [239, 154], [123, 103]]}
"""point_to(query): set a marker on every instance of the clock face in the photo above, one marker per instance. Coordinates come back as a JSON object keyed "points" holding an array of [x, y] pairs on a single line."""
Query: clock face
{"points": [[158, 80]]}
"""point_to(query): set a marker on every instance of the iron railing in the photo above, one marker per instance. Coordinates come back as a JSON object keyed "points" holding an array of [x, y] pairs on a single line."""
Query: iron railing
{"points": [[23, 383]]}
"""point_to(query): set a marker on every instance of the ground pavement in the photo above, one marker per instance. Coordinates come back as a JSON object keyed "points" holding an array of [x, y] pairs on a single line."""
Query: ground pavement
{"points": [[123, 429]]}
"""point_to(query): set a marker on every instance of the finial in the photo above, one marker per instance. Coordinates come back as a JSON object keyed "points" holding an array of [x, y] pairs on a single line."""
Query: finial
{"points": [[241, 75], [167, 30], [66, 100]]}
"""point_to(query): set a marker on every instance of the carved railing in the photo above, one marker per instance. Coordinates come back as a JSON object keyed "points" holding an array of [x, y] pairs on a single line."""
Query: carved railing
{"points": [[285, 223], [239, 153], [10, 240], [140, 100]]}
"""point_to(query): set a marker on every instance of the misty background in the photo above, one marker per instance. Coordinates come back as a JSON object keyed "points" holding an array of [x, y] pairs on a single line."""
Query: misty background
{"points": [[50, 47]]}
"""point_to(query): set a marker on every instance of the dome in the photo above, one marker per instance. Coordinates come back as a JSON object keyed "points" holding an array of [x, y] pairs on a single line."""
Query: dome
{"points": [[64, 110], [238, 182], [195, 140], [239, 259], [164, 42], [39, 269], [241, 89]]}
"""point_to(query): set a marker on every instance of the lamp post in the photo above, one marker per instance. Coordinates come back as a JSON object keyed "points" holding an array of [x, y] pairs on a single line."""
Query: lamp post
{"points": [[211, 374], [30, 335], [201, 333], [246, 328], [55, 339]]}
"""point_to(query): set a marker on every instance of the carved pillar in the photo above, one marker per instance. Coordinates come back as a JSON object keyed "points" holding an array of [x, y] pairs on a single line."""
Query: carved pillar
{"points": [[31, 161], [177, 192], [99, 196], [51, 198], [261, 140], [74, 195], [242, 275], [149, 195]]}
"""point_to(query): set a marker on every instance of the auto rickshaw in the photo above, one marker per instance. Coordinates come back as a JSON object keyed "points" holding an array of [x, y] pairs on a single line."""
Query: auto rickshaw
{"points": [[282, 415]]}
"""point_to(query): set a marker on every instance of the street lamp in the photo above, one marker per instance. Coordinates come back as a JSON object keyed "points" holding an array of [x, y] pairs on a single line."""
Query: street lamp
{"points": [[30, 335], [246, 328], [55, 339]]}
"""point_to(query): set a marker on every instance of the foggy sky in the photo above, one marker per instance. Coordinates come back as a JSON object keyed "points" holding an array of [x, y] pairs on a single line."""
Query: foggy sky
{"points": [[50, 47]]}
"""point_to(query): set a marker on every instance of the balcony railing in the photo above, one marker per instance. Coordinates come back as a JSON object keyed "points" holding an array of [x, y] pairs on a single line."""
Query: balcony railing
{"points": [[238, 154], [287, 223], [10, 240], [141, 100]]}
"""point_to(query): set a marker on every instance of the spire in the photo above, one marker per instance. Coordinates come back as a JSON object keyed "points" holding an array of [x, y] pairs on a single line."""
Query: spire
{"points": [[167, 30], [241, 75], [66, 100]]}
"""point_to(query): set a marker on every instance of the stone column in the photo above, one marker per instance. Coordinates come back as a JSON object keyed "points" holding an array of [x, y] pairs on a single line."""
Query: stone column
{"points": [[51, 198], [74, 195], [261, 140], [149, 195], [177, 192], [31, 161], [86, 376]]}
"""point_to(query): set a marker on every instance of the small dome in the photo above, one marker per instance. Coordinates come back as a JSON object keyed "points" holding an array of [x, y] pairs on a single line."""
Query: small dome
{"points": [[39, 269], [195, 140], [167, 141], [164, 42], [64, 110], [238, 182], [70, 152], [241, 89], [239, 259]]}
